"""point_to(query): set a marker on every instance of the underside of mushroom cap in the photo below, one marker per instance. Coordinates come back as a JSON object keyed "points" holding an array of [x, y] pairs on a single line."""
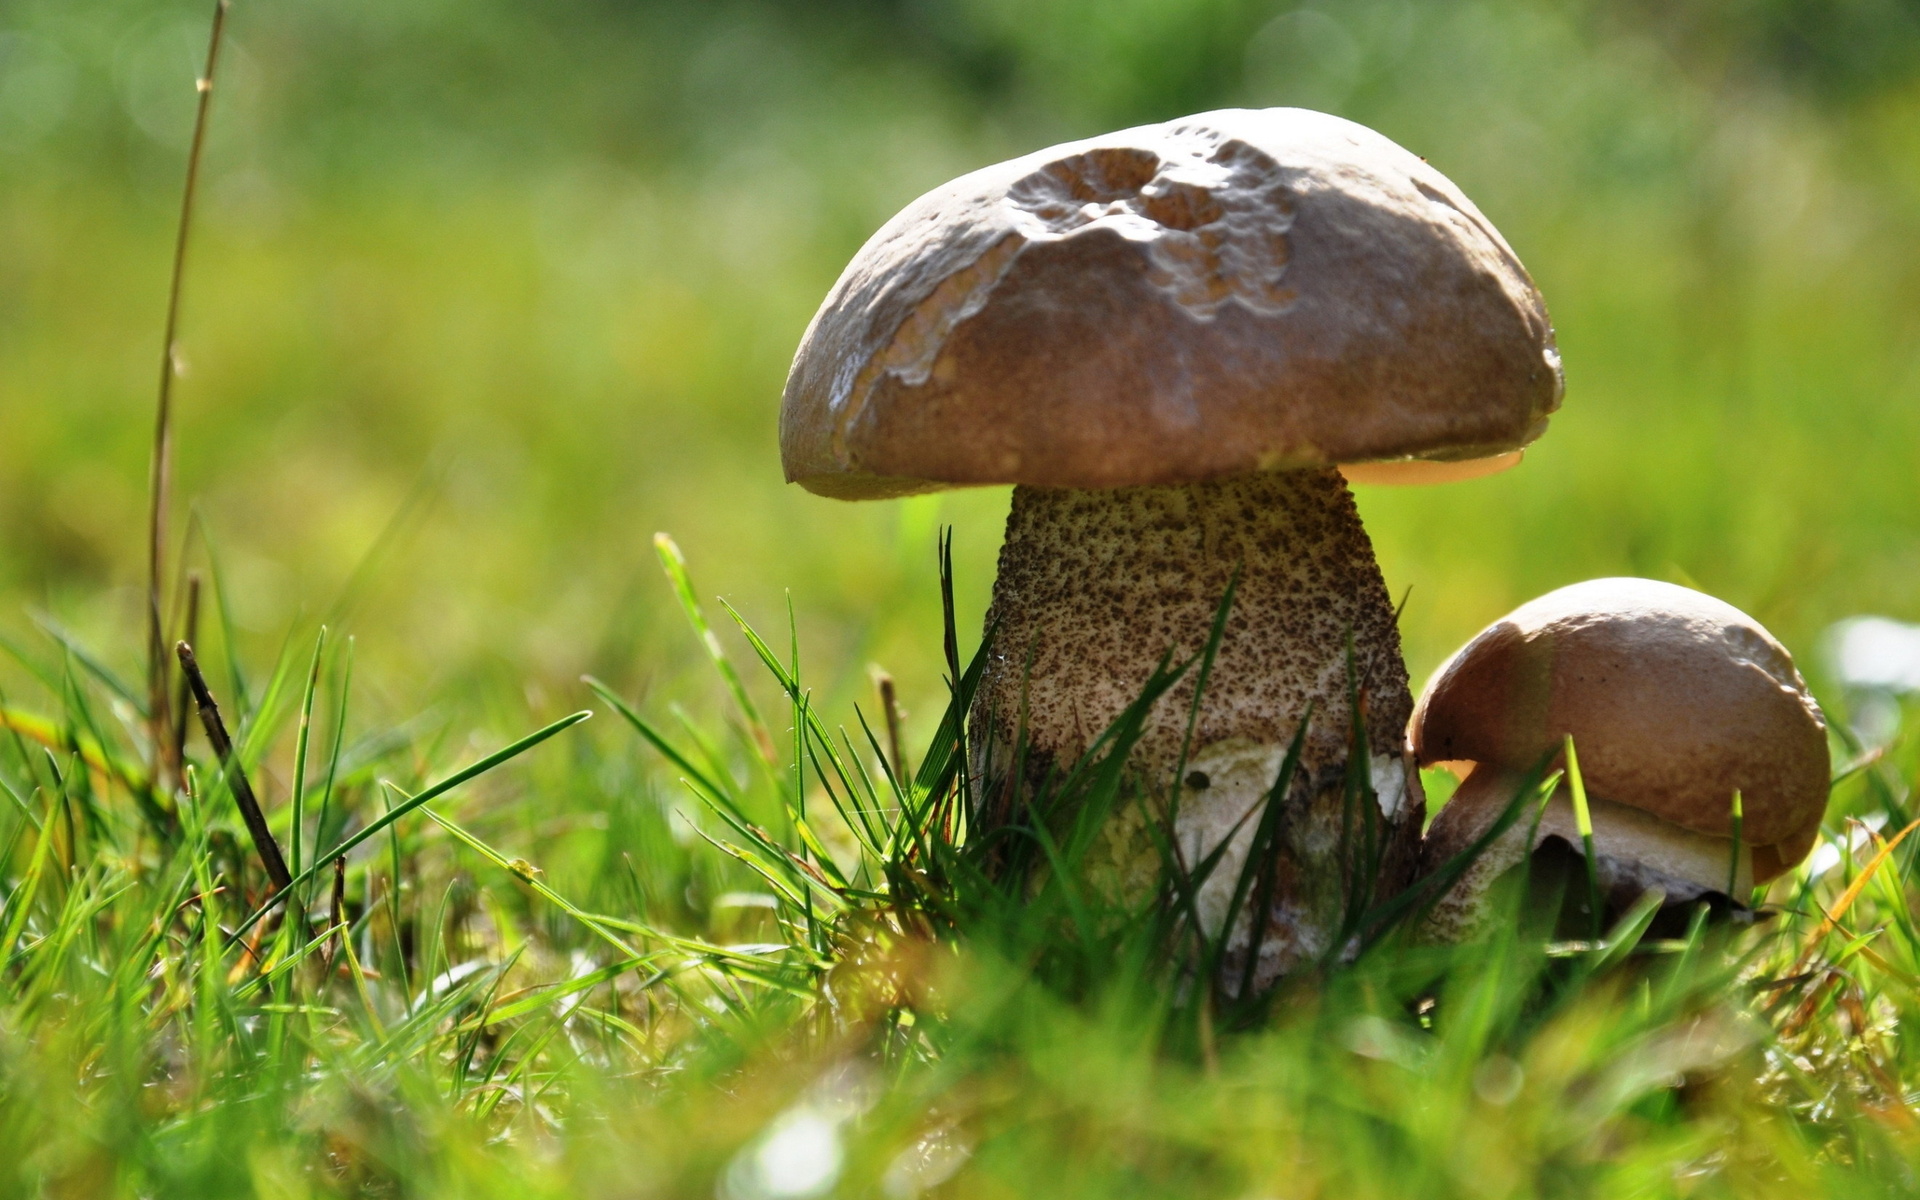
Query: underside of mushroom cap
{"points": [[1679, 861], [1633, 851], [1674, 699], [1238, 291]]}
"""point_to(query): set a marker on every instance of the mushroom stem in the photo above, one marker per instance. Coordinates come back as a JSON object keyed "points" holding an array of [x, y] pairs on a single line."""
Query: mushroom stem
{"points": [[1095, 586]]}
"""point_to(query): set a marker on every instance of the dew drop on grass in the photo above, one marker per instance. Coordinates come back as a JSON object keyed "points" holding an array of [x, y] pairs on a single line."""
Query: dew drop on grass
{"points": [[1498, 1080]]}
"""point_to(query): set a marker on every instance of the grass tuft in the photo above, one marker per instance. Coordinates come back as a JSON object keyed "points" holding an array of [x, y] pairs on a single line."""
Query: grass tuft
{"points": [[810, 945]]}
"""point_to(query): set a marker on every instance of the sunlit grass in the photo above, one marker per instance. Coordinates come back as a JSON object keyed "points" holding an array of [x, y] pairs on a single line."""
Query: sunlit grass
{"points": [[669, 958]]}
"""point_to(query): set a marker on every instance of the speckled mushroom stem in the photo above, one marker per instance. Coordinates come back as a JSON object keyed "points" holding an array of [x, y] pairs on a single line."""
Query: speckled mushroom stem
{"points": [[1094, 586]]}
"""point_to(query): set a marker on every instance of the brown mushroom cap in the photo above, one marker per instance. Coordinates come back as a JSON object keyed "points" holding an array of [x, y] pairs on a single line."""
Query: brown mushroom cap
{"points": [[1238, 291], [1673, 698]]}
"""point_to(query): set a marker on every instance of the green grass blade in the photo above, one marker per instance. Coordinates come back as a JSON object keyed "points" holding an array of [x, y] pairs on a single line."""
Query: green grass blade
{"points": [[229, 638], [20, 901], [1215, 635], [91, 662], [549, 993], [659, 741], [413, 802], [345, 686], [529, 875], [675, 565], [1583, 821], [299, 802]]}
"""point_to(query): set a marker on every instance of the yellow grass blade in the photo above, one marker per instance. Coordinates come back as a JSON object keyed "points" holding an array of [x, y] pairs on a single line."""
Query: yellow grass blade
{"points": [[1847, 897]]}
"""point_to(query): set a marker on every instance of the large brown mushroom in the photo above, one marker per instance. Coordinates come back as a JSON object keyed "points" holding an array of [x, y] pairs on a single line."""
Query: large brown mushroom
{"points": [[1172, 340], [1674, 701]]}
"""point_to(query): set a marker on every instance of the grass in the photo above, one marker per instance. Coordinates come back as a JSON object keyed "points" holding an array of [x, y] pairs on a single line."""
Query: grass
{"points": [[785, 969]]}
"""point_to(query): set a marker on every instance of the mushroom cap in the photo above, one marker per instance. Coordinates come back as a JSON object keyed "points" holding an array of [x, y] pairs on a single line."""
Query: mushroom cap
{"points": [[1243, 290], [1673, 698]]}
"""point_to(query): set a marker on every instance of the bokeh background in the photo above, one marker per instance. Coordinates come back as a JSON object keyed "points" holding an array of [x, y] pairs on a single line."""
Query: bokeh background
{"points": [[486, 293]]}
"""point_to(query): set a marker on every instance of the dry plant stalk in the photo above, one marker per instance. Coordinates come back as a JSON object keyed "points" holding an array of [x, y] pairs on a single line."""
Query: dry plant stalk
{"points": [[166, 759], [216, 731]]}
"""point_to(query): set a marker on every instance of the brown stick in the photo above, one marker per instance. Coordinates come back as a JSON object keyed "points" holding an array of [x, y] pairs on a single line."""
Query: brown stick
{"points": [[890, 705], [161, 468], [236, 775], [337, 920]]}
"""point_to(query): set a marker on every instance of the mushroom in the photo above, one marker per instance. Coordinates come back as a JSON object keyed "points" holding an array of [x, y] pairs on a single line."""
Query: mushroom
{"points": [[1674, 700], [1172, 340]]}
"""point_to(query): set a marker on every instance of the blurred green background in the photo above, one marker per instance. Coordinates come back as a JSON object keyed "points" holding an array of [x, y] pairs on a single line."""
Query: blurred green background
{"points": [[540, 268]]}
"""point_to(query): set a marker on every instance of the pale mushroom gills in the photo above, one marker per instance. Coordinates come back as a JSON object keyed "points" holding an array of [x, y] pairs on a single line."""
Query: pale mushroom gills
{"points": [[1170, 339]]}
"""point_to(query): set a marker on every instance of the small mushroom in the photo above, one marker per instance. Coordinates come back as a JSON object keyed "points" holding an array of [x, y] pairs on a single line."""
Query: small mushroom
{"points": [[1674, 700], [1173, 340]]}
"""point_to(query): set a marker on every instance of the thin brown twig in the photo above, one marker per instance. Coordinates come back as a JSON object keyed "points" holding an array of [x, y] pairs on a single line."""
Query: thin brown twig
{"points": [[890, 705], [216, 730], [160, 470], [337, 917]]}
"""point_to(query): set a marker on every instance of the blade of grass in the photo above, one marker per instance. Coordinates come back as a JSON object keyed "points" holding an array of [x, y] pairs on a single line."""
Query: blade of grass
{"points": [[1259, 856], [947, 752], [279, 966], [229, 635], [41, 672], [361, 989], [708, 788], [264, 723], [48, 734], [299, 801], [675, 565], [962, 687], [413, 802], [1739, 828], [1629, 929], [820, 739], [78, 652], [345, 686], [1845, 902], [1583, 821], [20, 901], [1417, 900], [528, 874], [81, 717], [548, 993], [1357, 796], [26, 810], [1211, 652], [395, 916]]}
